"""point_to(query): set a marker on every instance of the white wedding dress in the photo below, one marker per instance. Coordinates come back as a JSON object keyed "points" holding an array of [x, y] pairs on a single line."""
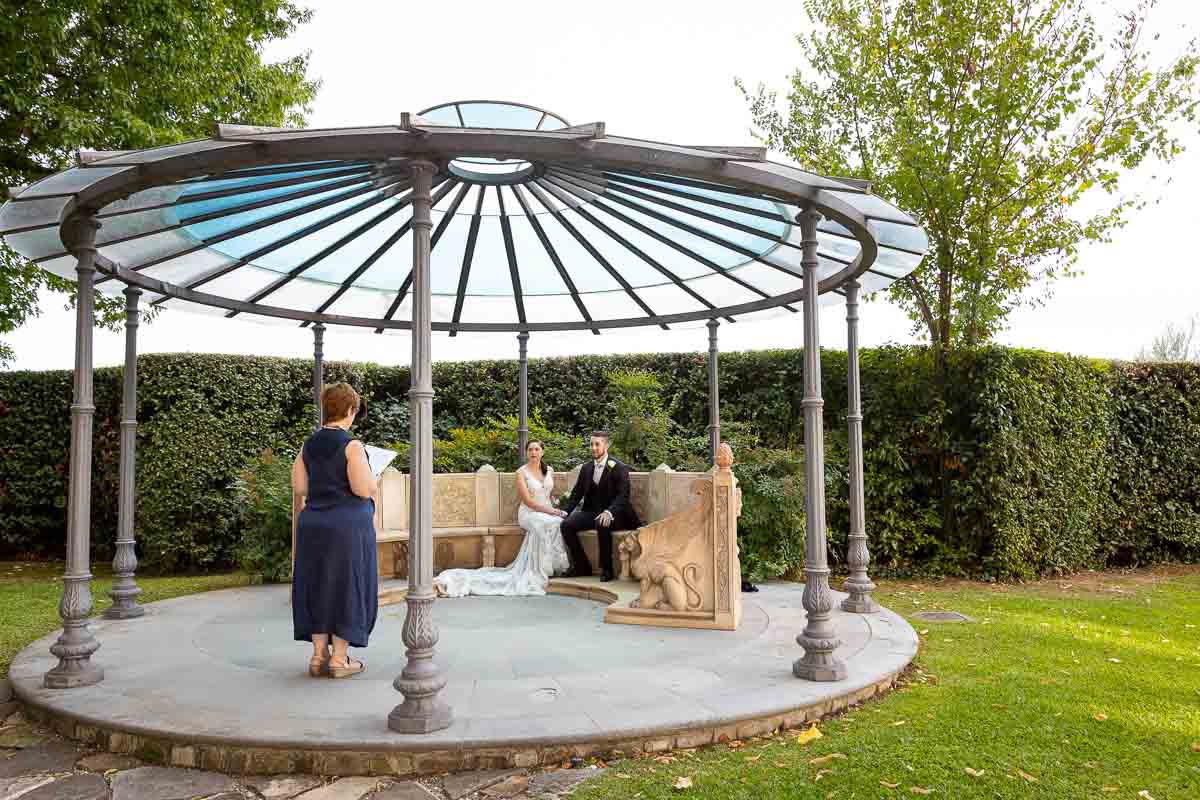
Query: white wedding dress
{"points": [[542, 554]]}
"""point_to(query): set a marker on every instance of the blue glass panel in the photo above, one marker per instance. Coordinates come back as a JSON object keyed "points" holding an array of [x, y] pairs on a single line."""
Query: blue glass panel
{"points": [[240, 246], [712, 251], [36, 243], [755, 242], [712, 191], [872, 206], [216, 227], [497, 115], [198, 208], [24, 214], [896, 262], [629, 266], [442, 116], [297, 253], [445, 262], [770, 228], [584, 270], [538, 274], [906, 237], [338, 265], [203, 187], [489, 268], [72, 180]]}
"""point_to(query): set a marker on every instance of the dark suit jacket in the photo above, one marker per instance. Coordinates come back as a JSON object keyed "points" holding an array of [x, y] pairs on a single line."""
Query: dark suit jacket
{"points": [[610, 494]]}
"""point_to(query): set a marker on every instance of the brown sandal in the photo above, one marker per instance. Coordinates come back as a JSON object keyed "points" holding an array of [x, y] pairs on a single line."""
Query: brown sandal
{"points": [[351, 666], [318, 667]]}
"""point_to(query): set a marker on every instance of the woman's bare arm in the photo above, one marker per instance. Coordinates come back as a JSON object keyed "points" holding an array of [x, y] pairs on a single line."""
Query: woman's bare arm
{"points": [[362, 482], [299, 476]]}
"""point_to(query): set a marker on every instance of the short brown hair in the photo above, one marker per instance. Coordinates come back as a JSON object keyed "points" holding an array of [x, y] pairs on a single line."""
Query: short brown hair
{"points": [[337, 400], [601, 435]]}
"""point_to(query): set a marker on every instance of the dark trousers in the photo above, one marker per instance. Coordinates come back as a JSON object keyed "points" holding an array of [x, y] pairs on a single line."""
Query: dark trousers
{"points": [[578, 521]]}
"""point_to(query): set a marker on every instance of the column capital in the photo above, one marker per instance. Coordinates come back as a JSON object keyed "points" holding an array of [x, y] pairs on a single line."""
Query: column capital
{"points": [[132, 293], [423, 166], [79, 233]]}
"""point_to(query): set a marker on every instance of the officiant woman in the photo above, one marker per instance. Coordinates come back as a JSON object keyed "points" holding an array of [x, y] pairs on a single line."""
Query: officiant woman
{"points": [[335, 594]]}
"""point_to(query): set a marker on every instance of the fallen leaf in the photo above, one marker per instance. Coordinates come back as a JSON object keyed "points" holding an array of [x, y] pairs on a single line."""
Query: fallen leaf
{"points": [[823, 760], [924, 631], [821, 773], [780, 765], [889, 785], [1091, 764], [1048, 682], [809, 735], [665, 759], [624, 775], [900, 722], [1101, 717], [736, 745], [683, 783], [1196, 747], [1115, 660], [920, 790], [1145, 795], [1027, 776], [752, 759], [1110, 788], [974, 773]]}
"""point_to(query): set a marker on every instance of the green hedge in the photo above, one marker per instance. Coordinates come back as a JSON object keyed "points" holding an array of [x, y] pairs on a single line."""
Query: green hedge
{"points": [[1023, 463]]}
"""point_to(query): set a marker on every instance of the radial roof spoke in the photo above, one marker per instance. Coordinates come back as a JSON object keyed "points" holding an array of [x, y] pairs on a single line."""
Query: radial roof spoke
{"points": [[304, 225], [678, 246], [406, 284], [536, 191]]}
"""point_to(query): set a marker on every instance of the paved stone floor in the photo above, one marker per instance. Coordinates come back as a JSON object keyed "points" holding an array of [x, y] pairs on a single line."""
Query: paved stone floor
{"points": [[38, 765], [221, 669]]}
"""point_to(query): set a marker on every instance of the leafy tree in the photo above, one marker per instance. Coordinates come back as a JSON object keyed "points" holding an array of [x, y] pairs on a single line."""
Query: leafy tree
{"points": [[990, 120], [126, 74], [1175, 343]]}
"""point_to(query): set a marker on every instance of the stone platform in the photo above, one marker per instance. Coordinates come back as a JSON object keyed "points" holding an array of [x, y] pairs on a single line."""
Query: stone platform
{"points": [[215, 681]]}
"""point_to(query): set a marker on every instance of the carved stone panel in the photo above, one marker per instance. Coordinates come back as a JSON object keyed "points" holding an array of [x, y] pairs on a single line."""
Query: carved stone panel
{"points": [[453, 501], [639, 495], [509, 499]]}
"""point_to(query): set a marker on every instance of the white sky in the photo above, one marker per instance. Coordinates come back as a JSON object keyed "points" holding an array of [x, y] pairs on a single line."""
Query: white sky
{"points": [[659, 70]]}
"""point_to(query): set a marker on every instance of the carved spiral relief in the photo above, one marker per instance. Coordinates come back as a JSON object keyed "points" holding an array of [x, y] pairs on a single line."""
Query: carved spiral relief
{"points": [[723, 602]]}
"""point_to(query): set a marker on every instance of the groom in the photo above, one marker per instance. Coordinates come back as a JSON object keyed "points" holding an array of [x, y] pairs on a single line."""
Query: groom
{"points": [[603, 488]]}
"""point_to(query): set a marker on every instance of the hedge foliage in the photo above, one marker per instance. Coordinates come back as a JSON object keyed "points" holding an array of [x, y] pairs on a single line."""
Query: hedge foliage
{"points": [[1020, 463]]}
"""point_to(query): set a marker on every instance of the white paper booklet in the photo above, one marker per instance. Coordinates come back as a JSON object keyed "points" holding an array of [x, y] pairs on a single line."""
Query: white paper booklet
{"points": [[378, 458]]}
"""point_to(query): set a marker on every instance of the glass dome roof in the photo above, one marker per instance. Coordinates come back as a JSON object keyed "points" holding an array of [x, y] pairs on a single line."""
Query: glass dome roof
{"points": [[537, 224]]}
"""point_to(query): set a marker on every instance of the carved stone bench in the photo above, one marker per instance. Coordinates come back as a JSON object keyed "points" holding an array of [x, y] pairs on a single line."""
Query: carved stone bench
{"points": [[475, 517]]}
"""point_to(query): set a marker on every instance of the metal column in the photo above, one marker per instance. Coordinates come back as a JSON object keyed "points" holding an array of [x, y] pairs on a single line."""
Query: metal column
{"points": [[818, 638], [421, 679], [523, 419], [124, 588], [714, 402], [318, 370], [75, 646], [858, 584]]}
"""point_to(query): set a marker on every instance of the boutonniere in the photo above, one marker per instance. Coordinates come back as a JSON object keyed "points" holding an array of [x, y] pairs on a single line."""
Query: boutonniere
{"points": [[611, 464]]}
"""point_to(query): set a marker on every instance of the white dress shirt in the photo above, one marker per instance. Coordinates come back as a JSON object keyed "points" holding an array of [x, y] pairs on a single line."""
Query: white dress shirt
{"points": [[598, 467]]}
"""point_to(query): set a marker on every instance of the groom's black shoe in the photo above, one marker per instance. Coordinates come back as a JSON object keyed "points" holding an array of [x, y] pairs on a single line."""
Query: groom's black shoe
{"points": [[747, 586], [605, 577]]}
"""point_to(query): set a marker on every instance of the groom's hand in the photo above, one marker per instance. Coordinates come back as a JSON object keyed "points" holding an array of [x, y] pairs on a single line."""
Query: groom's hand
{"points": [[605, 519]]}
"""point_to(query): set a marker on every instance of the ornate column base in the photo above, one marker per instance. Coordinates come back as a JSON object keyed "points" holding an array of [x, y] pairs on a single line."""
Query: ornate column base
{"points": [[860, 600], [858, 585], [124, 590], [421, 680], [76, 645], [818, 639]]}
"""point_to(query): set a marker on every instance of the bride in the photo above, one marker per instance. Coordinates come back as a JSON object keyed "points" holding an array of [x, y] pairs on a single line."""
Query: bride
{"points": [[542, 553]]}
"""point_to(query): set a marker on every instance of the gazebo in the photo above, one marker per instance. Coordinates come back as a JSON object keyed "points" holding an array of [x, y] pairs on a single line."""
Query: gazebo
{"points": [[520, 224]]}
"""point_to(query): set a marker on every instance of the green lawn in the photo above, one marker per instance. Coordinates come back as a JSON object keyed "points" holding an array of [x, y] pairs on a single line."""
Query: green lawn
{"points": [[29, 595], [1087, 687]]}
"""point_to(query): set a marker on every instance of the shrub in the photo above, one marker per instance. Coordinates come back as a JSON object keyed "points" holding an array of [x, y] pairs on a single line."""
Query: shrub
{"points": [[264, 494]]}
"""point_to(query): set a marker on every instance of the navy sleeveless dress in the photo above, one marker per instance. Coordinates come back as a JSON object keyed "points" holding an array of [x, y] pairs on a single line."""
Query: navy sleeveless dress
{"points": [[335, 581]]}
